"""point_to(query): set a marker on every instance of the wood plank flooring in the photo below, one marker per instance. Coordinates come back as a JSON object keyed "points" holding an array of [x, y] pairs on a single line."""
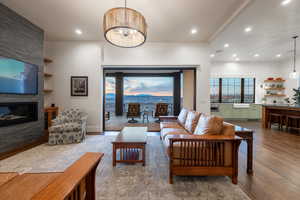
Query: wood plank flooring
{"points": [[276, 164]]}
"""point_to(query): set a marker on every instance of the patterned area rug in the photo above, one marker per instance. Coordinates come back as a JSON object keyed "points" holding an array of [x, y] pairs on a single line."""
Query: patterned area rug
{"points": [[125, 181]]}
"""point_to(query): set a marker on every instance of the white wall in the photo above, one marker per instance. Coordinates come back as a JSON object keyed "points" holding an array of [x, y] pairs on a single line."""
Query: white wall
{"points": [[73, 58], [77, 59], [258, 70], [286, 67]]}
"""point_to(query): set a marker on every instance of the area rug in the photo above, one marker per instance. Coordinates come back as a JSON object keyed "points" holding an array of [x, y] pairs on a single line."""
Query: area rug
{"points": [[125, 181]]}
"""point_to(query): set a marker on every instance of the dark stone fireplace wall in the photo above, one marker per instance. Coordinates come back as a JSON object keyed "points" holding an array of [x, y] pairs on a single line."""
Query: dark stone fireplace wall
{"points": [[22, 40]]}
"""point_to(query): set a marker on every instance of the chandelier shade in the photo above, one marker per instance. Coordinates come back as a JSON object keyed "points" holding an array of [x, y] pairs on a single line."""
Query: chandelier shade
{"points": [[124, 27]]}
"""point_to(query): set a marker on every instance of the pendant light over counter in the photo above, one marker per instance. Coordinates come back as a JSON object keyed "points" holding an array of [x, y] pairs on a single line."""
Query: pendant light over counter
{"points": [[124, 27], [294, 74]]}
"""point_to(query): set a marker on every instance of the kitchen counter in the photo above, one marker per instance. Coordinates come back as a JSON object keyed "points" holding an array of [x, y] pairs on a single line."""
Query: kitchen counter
{"points": [[283, 109]]}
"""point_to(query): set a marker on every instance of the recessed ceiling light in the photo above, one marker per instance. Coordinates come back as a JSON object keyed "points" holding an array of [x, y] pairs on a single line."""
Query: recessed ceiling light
{"points": [[78, 31], [285, 2], [212, 55], [256, 55], [226, 45], [278, 55], [194, 31], [248, 29], [237, 59], [234, 55]]}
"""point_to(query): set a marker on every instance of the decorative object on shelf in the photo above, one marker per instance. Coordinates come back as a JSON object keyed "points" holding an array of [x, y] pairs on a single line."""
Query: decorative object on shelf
{"points": [[294, 74], [274, 90], [287, 100], [79, 86], [124, 27], [296, 96]]}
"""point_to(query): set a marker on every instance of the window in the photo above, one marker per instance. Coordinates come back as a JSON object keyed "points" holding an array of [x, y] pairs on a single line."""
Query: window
{"points": [[214, 90], [232, 90], [249, 90]]}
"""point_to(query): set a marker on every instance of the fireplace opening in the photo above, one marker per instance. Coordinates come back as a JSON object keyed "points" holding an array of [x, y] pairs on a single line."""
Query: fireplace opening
{"points": [[17, 113]]}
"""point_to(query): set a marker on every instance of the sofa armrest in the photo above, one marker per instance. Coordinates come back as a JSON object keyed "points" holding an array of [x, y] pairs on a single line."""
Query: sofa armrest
{"points": [[167, 118]]}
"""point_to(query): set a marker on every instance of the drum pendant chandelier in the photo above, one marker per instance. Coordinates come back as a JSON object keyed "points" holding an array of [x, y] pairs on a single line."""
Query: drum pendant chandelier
{"points": [[124, 27]]}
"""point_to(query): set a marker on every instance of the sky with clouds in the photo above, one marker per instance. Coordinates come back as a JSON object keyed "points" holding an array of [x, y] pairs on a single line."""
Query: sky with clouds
{"points": [[156, 86]]}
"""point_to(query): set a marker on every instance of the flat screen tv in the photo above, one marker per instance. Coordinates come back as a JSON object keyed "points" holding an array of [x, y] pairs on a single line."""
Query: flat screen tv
{"points": [[17, 77]]}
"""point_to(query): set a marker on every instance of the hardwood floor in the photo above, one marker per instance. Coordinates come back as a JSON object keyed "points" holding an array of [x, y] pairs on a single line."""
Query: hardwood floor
{"points": [[276, 164]]}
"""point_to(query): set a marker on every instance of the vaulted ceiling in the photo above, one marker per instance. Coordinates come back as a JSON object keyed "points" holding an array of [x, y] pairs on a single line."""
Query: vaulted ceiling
{"points": [[216, 21], [168, 20], [273, 26]]}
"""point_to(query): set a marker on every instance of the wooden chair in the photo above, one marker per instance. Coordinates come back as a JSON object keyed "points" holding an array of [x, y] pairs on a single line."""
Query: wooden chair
{"points": [[161, 109], [134, 110], [275, 118], [292, 121]]}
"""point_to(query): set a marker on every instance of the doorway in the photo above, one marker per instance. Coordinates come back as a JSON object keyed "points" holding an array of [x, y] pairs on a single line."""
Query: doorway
{"points": [[133, 95]]}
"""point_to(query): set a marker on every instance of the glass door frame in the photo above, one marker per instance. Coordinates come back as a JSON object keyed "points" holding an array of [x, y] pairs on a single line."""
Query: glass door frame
{"points": [[176, 86]]}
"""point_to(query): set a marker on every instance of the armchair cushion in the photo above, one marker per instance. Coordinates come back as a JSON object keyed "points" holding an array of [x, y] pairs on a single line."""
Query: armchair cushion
{"points": [[182, 116], [191, 121], [211, 125], [59, 120], [67, 127]]}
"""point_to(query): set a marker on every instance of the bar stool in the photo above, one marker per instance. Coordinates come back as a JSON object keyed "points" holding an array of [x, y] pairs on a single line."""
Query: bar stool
{"points": [[275, 118], [291, 120]]}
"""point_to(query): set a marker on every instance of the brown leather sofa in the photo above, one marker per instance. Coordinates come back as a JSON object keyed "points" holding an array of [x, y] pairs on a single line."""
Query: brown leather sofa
{"points": [[200, 145]]}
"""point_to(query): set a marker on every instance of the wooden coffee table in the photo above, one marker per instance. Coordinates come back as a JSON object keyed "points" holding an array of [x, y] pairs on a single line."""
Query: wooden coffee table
{"points": [[130, 146]]}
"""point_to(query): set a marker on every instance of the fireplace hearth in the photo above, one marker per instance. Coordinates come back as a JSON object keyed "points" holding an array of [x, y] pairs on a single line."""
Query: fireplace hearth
{"points": [[17, 113]]}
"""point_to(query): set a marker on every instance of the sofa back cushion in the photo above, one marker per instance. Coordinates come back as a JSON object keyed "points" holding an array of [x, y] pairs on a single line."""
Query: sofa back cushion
{"points": [[191, 121], [182, 116], [209, 124]]}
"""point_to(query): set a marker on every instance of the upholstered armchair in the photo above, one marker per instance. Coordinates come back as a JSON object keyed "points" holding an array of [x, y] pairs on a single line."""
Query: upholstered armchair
{"points": [[68, 127], [134, 110]]}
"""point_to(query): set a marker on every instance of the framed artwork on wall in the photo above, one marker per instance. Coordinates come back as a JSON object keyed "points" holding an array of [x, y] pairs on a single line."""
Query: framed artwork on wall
{"points": [[79, 86]]}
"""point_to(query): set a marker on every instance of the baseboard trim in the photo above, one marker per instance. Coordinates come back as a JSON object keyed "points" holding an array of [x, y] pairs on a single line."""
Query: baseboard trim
{"points": [[22, 148]]}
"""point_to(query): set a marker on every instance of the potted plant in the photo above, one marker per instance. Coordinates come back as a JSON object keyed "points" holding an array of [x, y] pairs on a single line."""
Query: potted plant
{"points": [[297, 96]]}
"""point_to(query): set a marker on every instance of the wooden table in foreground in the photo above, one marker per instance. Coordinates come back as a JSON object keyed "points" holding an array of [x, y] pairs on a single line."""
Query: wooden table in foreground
{"points": [[128, 145], [247, 135], [77, 182]]}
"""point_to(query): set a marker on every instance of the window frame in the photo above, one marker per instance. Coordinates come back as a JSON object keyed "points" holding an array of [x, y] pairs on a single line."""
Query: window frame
{"points": [[242, 91]]}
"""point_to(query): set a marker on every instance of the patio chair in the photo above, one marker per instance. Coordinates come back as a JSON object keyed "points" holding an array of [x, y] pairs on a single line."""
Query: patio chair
{"points": [[161, 109], [134, 110]]}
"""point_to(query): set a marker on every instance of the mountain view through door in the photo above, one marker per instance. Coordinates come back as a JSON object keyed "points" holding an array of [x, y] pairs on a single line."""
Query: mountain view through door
{"points": [[146, 91]]}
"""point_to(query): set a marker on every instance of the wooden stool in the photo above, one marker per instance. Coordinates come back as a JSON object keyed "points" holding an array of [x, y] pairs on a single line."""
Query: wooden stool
{"points": [[289, 122], [275, 118]]}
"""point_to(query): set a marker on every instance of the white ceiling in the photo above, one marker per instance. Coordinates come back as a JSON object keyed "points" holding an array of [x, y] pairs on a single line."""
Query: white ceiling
{"points": [[273, 27], [168, 20], [217, 22]]}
